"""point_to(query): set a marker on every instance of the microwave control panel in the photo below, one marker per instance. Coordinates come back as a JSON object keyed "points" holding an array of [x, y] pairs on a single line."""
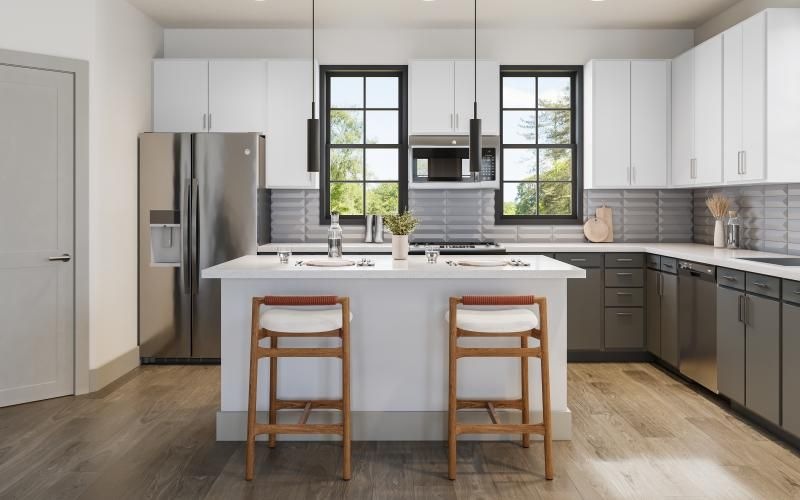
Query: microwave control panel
{"points": [[489, 165]]}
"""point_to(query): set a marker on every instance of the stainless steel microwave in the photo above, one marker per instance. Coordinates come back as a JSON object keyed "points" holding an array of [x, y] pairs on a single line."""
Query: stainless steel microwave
{"points": [[446, 159]]}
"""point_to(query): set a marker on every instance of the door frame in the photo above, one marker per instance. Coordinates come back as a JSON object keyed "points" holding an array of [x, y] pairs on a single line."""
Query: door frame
{"points": [[79, 69]]}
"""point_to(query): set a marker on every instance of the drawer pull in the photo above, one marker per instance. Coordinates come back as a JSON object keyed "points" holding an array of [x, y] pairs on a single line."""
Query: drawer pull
{"points": [[624, 314], [797, 292], [577, 260], [667, 265], [624, 260], [624, 294], [760, 285], [624, 275], [730, 278]]}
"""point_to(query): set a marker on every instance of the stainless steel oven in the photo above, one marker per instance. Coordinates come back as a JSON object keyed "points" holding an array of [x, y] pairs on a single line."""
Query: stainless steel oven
{"points": [[446, 159]]}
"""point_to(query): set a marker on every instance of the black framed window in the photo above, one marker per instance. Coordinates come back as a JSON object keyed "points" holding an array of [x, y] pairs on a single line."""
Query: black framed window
{"points": [[540, 128], [365, 166]]}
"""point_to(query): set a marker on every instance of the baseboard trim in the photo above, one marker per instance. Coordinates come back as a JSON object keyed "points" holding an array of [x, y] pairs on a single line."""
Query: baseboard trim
{"points": [[103, 375], [390, 425], [609, 357]]}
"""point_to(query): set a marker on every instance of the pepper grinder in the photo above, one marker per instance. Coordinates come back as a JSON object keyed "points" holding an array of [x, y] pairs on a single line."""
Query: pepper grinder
{"points": [[369, 229], [378, 229]]}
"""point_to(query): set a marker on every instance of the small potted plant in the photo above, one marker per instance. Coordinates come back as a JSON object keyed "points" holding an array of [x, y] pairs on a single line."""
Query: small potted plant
{"points": [[400, 225]]}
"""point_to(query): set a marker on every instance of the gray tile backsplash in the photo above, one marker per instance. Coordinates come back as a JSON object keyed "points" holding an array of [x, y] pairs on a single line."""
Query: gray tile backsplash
{"points": [[770, 216], [639, 216]]}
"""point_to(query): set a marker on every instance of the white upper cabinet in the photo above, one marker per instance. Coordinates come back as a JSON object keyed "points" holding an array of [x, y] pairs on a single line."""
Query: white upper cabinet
{"points": [[683, 119], [237, 98], [441, 97], [209, 96], [289, 96], [708, 112], [488, 96], [180, 95], [626, 124], [650, 119], [744, 100]]}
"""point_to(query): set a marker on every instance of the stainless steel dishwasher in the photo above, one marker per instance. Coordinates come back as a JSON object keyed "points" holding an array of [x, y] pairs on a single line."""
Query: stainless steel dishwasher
{"points": [[697, 321]]}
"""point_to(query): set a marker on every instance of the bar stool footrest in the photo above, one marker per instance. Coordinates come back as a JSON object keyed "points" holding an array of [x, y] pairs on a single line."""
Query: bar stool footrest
{"points": [[337, 429], [481, 404], [499, 429]]}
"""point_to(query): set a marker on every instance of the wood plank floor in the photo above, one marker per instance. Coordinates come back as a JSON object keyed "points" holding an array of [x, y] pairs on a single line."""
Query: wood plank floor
{"points": [[638, 433]]}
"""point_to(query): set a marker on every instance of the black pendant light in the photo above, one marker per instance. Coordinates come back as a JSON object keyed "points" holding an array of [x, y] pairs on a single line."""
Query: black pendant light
{"points": [[313, 122], [475, 149]]}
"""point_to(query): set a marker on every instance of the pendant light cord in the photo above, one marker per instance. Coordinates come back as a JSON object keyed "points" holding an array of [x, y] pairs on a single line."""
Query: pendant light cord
{"points": [[313, 66], [475, 60]]}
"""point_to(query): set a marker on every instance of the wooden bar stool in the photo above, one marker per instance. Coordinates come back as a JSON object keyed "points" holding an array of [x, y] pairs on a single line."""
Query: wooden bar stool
{"points": [[298, 323], [498, 323]]}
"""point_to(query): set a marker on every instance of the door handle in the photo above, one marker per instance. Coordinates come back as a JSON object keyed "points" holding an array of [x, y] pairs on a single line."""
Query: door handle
{"points": [[624, 260], [744, 162], [577, 260], [660, 285], [209, 122], [205, 116], [744, 309], [624, 294], [195, 237], [741, 316], [62, 258], [624, 314], [624, 275], [186, 238], [760, 284], [729, 278], [739, 162]]}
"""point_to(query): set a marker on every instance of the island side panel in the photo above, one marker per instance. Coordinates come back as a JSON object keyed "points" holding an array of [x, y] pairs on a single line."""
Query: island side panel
{"points": [[399, 349]]}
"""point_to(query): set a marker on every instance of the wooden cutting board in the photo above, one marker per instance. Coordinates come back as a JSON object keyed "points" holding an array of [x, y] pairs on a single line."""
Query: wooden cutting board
{"points": [[606, 215], [595, 230]]}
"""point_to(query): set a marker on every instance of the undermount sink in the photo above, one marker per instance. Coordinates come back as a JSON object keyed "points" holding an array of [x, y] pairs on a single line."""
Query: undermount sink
{"points": [[778, 261]]}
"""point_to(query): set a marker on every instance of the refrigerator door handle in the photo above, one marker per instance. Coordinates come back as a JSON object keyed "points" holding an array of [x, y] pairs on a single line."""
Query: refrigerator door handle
{"points": [[195, 237], [186, 239]]}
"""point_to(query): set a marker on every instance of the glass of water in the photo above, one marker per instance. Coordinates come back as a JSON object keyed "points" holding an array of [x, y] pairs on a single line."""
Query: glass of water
{"points": [[432, 254], [284, 254]]}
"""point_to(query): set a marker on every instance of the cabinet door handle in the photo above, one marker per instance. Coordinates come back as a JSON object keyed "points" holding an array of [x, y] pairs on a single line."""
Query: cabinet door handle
{"points": [[739, 162], [577, 260], [624, 294], [744, 162], [209, 122], [624, 314], [624, 260], [729, 278], [204, 120], [741, 308], [797, 292], [624, 275], [660, 285], [633, 174], [760, 285]]}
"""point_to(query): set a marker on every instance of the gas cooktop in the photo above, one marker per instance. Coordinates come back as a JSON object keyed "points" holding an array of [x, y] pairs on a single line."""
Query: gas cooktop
{"points": [[458, 247]]}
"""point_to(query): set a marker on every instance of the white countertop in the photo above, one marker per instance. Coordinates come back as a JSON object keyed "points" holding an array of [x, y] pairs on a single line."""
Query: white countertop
{"points": [[686, 251], [416, 267]]}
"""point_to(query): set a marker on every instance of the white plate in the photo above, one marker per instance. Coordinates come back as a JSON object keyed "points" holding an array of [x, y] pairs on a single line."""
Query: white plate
{"points": [[329, 263], [482, 263]]}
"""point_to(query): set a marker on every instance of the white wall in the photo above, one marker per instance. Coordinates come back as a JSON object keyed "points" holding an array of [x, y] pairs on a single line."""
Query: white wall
{"points": [[51, 27], [736, 14], [397, 46], [125, 42], [119, 43]]}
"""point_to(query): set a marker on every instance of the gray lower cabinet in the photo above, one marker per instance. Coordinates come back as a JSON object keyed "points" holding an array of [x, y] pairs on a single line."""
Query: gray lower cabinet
{"points": [[730, 344], [585, 323], [669, 319], [762, 357], [624, 328], [791, 367], [653, 312]]}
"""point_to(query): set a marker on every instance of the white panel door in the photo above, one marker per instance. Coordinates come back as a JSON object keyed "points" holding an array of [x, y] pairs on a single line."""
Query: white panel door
{"points": [[180, 95], [237, 98], [431, 97], [732, 103], [36, 223], [488, 96], [682, 119], [708, 111], [288, 109], [754, 97], [611, 127], [649, 123]]}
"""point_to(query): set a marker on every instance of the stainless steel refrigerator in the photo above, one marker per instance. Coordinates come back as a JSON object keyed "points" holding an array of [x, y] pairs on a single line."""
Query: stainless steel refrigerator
{"points": [[201, 203]]}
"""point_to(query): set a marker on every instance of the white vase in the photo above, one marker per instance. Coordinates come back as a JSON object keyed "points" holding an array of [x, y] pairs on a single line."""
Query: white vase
{"points": [[719, 234], [400, 246]]}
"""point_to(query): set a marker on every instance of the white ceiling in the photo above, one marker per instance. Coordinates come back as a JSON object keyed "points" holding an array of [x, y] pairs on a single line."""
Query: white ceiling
{"points": [[432, 14]]}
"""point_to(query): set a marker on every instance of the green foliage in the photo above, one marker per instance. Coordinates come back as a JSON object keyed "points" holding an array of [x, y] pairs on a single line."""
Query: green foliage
{"points": [[347, 165], [401, 224], [553, 197]]}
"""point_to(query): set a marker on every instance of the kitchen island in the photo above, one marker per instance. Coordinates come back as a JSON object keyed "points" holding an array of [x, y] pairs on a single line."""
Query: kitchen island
{"points": [[398, 342]]}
